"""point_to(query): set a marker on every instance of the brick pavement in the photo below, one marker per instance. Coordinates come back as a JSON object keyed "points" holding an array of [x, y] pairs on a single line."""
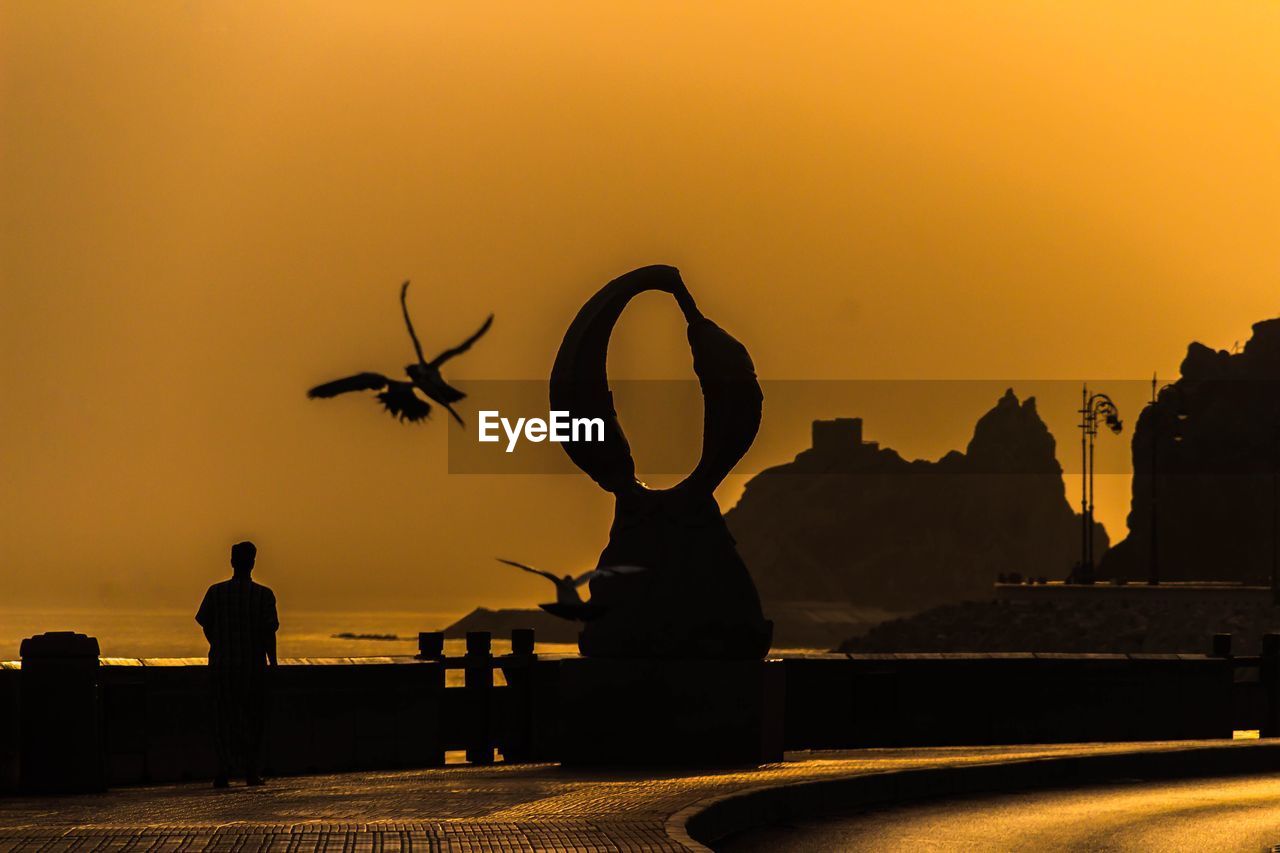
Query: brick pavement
{"points": [[463, 808]]}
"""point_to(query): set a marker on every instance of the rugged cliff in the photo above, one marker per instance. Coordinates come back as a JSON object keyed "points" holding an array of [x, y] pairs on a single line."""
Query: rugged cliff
{"points": [[1213, 439], [849, 521]]}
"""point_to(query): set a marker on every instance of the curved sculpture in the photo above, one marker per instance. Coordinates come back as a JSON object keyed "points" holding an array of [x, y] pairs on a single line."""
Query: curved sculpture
{"points": [[697, 599]]}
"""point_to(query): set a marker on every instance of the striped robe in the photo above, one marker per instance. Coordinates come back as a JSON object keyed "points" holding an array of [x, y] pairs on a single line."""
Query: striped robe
{"points": [[239, 617]]}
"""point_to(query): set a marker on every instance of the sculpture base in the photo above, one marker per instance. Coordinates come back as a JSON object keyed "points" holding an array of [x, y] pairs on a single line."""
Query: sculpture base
{"points": [[644, 712], [638, 636]]}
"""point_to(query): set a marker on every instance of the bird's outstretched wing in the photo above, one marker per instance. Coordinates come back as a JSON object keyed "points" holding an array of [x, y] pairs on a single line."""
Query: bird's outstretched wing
{"points": [[465, 345], [546, 575], [400, 400], [404, 307], [359, 382], [583, 612], [607, 571]]}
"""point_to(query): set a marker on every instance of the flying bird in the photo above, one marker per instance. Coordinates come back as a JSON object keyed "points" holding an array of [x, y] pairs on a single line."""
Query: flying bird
{"points": [[568, 603], [399, 397]]}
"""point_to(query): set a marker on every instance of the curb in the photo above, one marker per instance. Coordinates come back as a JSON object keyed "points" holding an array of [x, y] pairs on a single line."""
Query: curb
{"points": [[712, 819]]}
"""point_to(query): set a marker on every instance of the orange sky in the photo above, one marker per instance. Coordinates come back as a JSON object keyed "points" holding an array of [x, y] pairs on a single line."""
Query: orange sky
{"points": [[208, 207]]}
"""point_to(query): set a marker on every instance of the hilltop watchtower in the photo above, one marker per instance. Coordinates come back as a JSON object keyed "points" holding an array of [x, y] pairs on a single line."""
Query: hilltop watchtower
{"points": [[840, 437]]}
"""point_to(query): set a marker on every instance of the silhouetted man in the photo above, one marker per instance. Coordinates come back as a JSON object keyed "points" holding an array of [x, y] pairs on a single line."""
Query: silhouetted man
{"points": [[239, 621]]}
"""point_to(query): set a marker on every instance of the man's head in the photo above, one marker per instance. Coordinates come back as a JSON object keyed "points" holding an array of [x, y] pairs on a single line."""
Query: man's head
{"points": [[242, 556]]}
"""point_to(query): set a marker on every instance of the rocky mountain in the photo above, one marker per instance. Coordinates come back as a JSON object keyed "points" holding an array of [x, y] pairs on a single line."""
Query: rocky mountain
{"points": [[1213, 440], [849, 521], [547, 628]]}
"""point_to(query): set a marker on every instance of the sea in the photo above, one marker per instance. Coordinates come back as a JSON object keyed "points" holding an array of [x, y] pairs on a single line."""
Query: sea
{"points": [[303, 633]]}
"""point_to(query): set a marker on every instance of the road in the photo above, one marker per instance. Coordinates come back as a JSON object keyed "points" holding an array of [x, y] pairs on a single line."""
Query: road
{"points": [[1233, 814]]}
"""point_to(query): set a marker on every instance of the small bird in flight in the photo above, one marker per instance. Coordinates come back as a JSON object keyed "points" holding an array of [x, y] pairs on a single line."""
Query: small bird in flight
{"points": [[568, 603], [397, 396]]}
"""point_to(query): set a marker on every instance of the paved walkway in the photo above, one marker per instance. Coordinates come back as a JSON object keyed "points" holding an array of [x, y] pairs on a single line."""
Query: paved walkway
{"points": [[502, 807]]}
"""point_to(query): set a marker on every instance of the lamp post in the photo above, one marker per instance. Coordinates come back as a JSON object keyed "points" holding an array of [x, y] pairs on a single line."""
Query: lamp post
{"points": [[1157, 390], [1093, 407]]}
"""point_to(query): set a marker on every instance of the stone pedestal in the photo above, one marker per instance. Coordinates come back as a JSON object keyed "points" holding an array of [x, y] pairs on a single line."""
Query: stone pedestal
{"points": [[61, 738], [693, 712]]}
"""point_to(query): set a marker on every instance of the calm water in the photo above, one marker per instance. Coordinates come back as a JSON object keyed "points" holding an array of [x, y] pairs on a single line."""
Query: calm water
{"points": [[174, 633]]}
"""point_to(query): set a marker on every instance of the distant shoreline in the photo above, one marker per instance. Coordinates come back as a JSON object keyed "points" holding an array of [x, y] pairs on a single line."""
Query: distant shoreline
{"points": [[350, 635], [172, 632]]}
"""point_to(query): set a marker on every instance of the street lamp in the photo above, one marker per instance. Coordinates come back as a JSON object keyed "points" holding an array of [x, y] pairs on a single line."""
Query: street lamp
{"points": [[1156, 391], [1093, 409]]}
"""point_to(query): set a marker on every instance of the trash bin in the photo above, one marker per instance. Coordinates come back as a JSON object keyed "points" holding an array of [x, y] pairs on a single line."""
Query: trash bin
{"points": [[61, 734]]}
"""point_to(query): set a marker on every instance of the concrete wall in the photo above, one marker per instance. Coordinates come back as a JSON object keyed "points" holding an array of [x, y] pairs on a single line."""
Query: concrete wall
{"points": [[347, 714], [375, 713], [845, 701]]}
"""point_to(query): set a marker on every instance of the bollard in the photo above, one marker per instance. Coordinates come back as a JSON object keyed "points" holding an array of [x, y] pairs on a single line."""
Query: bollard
{"points": [[516, 734], [428, 729], [61, 745], [1220, 646], [1269, 675], [479, 643], [522, 641], [431, 645], [478, 684], [428, 725]]}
